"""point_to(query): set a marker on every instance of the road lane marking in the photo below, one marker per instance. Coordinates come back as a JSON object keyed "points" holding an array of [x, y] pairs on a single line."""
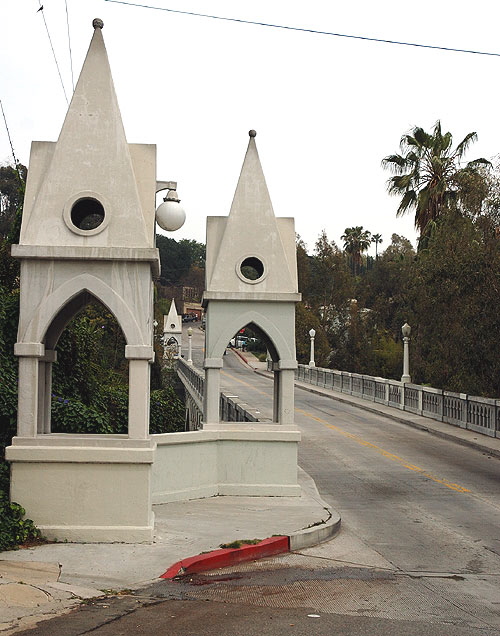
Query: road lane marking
{"points": [[245, 383], [391, 456], [363, 442]]}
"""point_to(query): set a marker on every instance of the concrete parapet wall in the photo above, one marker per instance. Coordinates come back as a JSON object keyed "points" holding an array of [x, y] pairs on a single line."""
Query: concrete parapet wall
{"points": [[249, 459]]}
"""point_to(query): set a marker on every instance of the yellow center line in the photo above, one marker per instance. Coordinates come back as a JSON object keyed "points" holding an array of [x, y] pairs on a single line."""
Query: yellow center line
{"points": [[362, 442], [391, 456], [244, 383]]}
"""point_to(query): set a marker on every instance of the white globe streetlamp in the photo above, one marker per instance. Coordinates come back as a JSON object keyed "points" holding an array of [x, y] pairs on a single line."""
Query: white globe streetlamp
{"points": [[312, 334], [406, 330], [170, 214]]}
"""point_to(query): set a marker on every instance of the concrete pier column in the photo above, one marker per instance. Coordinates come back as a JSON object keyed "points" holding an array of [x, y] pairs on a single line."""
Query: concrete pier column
{"points": [[45, 391], [139, 358], [27, 405], [276, 392], [211, 393], [286, 392]]}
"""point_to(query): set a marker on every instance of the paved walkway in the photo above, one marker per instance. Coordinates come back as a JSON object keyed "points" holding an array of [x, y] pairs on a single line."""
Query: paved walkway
{"points": [[39, 582]]}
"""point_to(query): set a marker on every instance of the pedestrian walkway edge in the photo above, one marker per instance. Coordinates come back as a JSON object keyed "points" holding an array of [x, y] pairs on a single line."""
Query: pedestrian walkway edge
{"points": [[228, 556], [225, 557]]}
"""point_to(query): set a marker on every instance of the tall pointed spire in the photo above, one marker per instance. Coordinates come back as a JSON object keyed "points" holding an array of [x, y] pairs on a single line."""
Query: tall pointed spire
{"points": [[251, 255], [91, 161], [172, 323]]}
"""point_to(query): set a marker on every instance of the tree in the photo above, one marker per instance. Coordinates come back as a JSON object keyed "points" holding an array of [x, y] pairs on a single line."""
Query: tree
{"points": [[376, 238], [428, 175], [177, 257], [356, 240], [12, 181], [330, 283], [303, 266], [454, 293], [305, 320]]}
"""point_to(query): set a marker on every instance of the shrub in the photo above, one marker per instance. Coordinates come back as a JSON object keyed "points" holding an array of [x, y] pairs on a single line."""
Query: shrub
{"points": [[14, 530], [167, 412]]}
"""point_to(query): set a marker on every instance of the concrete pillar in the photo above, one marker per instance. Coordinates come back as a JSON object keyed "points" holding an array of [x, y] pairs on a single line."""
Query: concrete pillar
{"points": [[42, 398], [286, 404], [45, 391], [211, 393], [28, 393], [276, 392], [139, 358]]}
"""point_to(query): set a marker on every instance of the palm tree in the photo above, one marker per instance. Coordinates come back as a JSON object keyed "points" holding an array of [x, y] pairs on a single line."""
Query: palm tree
{"points": [[426, 171], [376, 238], [356, 240]]}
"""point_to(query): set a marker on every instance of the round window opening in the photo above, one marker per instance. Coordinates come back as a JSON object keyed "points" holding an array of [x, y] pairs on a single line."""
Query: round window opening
{"points": [[252, 268], [87, 214]]}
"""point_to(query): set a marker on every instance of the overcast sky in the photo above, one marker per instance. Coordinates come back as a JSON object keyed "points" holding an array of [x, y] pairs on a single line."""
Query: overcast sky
{"points": [[326, 109]]}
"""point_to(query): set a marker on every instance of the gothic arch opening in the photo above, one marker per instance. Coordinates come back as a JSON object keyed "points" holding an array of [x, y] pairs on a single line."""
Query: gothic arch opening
{"points": [[89, 377]]}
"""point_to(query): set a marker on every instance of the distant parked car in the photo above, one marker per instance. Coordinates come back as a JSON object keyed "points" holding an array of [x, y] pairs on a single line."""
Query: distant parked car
{"points": [[189, 317]]}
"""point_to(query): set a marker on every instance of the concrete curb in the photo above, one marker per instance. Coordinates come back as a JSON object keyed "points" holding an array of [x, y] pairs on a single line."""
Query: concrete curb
{"points": [[228, 556], [272, 546]]}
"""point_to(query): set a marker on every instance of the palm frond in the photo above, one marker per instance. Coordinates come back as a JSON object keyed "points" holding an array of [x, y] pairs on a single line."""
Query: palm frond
{"points": [[464, 144]]}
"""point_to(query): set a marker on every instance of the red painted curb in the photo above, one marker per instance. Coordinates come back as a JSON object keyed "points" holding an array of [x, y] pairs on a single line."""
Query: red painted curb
{"points": [[228, 556]]}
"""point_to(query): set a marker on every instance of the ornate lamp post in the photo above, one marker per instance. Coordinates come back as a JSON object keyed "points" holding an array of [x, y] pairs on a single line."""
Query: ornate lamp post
{"points": [[406, 330], [312, 333], [190, 345]]}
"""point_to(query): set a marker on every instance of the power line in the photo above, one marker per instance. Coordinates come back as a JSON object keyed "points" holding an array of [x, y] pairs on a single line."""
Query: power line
{"points": [[290, 28], [16, 162], [69, 46], [40, 10]]}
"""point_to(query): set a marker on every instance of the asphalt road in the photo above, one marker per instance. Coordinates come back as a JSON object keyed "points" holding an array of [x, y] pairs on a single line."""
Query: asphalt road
{"points": [[418, 553], [423, 503]]}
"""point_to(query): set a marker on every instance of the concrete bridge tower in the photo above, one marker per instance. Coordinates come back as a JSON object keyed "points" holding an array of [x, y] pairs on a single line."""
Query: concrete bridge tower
{"points": [[251, 279], [88, 232]]}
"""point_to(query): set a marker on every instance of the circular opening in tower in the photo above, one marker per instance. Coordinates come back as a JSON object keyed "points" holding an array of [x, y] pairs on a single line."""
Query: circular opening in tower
{"points": [[87, 214], [252, 268]]}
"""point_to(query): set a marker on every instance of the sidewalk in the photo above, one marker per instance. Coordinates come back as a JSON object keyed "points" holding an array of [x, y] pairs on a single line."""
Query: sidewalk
{"points": [[39, 582]]}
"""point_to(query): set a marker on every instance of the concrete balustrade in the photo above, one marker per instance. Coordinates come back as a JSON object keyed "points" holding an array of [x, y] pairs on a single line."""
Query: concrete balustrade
{"points": [[478, 414]]}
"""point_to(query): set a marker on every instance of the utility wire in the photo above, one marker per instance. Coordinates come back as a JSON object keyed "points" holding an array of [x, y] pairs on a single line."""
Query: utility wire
{"points": [[16, 162], [40, 10], [69, 46], [290, 28]]}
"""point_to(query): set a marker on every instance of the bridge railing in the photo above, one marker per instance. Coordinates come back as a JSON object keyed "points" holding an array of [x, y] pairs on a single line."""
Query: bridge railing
{"points": [[232, 409], [478, 414]]}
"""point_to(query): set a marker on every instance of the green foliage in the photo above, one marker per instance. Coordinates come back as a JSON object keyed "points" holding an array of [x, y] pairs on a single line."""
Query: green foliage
{"points": [[178, 257], [455, 340], [330, 284], [428, 175], [14, 530], [167, 412], [305, 320], [356, 241], [9, 313], [12, 182]]}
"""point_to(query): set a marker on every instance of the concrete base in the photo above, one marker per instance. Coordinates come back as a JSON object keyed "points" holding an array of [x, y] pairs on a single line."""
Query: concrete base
{"points": [[85, 488], [226, 459]]}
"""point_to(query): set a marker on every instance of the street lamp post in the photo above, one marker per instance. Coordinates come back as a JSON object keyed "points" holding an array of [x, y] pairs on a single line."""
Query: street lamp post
{"points": [[312, 333], [406, 330], [190, 345]]}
